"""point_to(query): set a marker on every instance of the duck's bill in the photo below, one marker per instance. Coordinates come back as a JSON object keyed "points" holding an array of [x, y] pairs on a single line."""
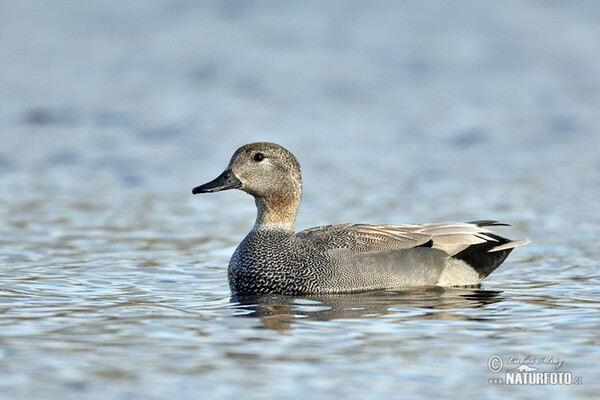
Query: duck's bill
{"points": [[227, 180]]}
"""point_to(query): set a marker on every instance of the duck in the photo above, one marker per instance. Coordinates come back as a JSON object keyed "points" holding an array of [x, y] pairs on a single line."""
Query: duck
{"points": [[343, 258]]}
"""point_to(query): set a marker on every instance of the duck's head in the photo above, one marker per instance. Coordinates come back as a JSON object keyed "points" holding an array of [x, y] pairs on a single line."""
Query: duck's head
{"points": [[264, 170]]}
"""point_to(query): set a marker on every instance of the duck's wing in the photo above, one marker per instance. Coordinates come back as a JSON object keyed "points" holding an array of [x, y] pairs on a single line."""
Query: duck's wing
{"points": [[452, 238], [379, 256], [364, 238]]}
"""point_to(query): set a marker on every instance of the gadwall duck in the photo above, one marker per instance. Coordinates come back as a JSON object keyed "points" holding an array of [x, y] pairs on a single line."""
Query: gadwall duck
{"points": [[273, 258]]}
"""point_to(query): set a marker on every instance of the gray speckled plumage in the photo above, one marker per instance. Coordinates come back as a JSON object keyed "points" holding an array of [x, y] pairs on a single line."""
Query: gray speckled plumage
{"points": [[272, 258]]}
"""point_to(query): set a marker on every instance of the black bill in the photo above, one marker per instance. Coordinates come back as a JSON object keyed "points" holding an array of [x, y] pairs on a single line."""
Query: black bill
{"points": [[227, 180]]}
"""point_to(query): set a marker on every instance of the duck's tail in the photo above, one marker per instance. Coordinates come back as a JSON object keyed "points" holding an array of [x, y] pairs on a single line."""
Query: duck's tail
{"points": [[481, 259]]}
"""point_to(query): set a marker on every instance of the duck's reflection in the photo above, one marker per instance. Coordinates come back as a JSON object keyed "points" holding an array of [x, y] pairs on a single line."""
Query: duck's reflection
{"points": [[279, 312]]}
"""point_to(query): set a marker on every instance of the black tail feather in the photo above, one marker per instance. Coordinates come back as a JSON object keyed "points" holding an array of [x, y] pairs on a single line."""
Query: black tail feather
{"points": [[488, 222], [480, 259]]}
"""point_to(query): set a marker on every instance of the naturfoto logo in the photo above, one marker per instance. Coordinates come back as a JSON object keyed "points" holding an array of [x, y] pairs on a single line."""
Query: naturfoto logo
{"points": [[530, 370]]}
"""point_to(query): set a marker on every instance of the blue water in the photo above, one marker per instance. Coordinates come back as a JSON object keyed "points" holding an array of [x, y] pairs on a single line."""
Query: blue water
{"points": [[113, 276]]}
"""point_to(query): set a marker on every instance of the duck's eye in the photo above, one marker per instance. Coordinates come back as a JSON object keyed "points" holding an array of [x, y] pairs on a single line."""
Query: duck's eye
{"points": [[258, 157]]}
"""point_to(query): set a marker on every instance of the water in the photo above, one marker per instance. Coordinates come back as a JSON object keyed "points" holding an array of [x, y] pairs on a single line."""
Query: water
{"points": [[113, 276]]}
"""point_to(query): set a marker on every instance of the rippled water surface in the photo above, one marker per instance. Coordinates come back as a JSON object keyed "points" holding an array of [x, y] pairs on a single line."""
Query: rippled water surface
{"points": [[113, 276]]}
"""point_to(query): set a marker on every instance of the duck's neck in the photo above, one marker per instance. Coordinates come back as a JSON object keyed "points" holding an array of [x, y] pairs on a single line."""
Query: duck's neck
{"points": [[276, 213]]}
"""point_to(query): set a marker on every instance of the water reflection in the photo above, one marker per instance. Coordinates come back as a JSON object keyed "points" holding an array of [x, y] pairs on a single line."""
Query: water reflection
{"points": [[278, 312]]}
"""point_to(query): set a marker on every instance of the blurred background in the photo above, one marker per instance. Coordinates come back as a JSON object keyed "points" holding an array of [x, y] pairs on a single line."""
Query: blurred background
{"points": [[427, 101], [399, 112]]}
